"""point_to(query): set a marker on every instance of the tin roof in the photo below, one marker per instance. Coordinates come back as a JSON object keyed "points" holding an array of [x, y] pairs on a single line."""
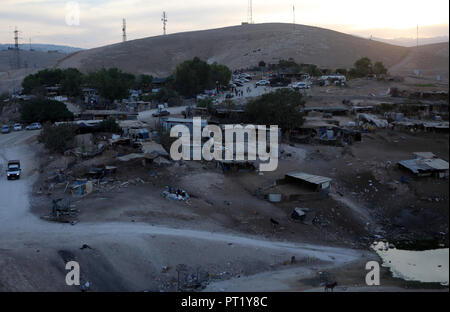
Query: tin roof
{"points": [[437, 164], [421, 165], [426, 155], [309, 177]]}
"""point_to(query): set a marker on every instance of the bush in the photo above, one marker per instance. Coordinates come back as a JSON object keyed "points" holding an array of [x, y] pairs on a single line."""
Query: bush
{"points": [[379, 69], [282, 108], [112, 84], [208, 104], [194, 76], [43, 110], [70, 81], [111, 126], [363, 67], [58, 138]]}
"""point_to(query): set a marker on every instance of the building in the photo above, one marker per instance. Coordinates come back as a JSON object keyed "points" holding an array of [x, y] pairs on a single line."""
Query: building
{"points": [[315, 182], [426, 164], [106, 114], [169, 123]]}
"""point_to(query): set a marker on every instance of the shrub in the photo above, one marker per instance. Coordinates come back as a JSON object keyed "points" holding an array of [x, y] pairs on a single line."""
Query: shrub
{"points": [[110, 125], [282, 108], [58, 138], [43, 110]]}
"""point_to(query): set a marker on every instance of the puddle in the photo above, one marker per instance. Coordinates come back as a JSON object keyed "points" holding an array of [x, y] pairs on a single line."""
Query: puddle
{"points": [[427, 266]]}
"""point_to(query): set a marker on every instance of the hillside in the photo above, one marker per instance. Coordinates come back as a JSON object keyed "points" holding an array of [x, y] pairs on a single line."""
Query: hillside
{"points": [[30, 62], [237, 47], [28, 59], [430, 59], [43, 47]]}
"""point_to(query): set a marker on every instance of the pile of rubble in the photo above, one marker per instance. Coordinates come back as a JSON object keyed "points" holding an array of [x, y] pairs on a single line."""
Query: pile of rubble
{"points": [[175, 194]]}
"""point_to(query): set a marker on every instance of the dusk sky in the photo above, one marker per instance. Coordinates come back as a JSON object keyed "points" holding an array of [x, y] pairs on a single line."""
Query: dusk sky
{"points": [[100, 21]]}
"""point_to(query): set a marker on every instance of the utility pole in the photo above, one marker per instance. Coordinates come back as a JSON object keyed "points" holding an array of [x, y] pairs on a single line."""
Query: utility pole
{"points": [[16, 49], [164, 20], [16, 39], [417, 35], [124, 30], [250, 12], [293, 15]]}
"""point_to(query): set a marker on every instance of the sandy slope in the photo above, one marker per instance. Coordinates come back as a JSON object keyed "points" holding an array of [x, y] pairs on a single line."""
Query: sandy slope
{"points": [[237, 47], [431, 60]]}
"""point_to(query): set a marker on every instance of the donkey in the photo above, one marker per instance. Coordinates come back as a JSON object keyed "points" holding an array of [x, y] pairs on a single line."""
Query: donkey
{"points": [[330, 286]]}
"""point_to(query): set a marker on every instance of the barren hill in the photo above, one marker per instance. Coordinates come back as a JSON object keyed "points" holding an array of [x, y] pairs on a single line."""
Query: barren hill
{"points": [[237, 47], [30, 62], [28, 59], [430, 59]]}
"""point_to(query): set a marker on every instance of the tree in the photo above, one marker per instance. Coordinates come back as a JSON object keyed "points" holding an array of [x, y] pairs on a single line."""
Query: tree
{"points": [[262, 64], [281, 108], [362, 68], [221, 74], [112, 84], [110, 125], [144, 82], [313, 70], [58, 138], [342, 71], [379, 69], [165, 94], [31, 84], [194, 76], [71, 82], [43, 110], [206, 103]]}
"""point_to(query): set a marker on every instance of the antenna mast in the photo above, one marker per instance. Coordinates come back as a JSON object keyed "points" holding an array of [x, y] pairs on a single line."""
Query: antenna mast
{"points": [[250, 12], [293, 14], [124, 30], [164, 20], [16, 39], [417, 35], [16, 57]]}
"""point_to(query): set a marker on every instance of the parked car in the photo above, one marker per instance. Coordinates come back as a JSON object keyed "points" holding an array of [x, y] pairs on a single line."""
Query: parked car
{"points": [[238, 84], [161, 113], [229, 96], [34, 126], [279, 82], [6, 129], [263, 83], [246, 76], [17, 127], [300, 85]]}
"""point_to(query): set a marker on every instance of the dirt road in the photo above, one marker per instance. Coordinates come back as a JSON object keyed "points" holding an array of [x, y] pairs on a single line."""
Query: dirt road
{"points": [[123, 256]]}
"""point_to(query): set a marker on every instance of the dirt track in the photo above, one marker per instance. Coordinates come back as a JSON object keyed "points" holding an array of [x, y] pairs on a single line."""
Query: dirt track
{"points": [[124, 256]]}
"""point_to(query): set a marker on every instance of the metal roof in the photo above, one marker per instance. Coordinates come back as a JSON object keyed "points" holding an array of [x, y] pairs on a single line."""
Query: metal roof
{"points": [[426, 155], [437, 163], [421, 165], [309, 177]]}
